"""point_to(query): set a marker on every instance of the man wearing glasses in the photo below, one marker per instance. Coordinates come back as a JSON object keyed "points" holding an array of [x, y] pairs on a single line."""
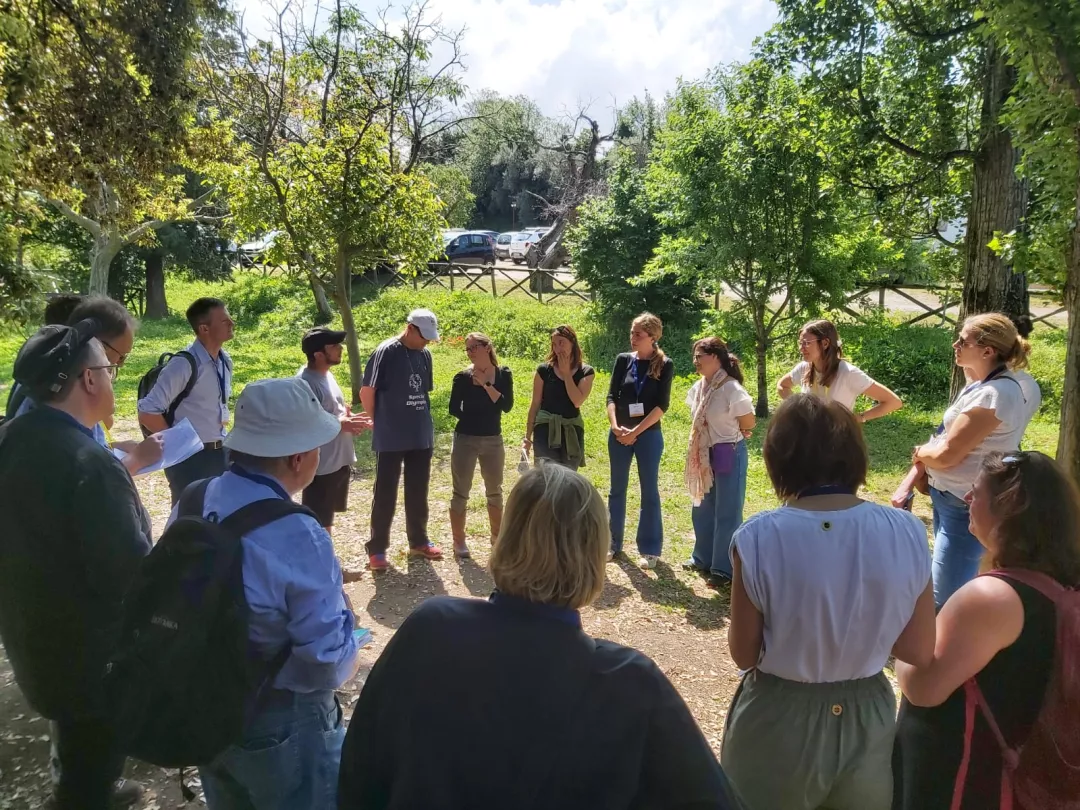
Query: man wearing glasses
{"points": [[74, 535], [206, 404], [115, 330]]}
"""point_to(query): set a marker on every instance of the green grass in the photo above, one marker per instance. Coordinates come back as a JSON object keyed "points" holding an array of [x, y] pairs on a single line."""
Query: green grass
{"points": [[274, 313]]}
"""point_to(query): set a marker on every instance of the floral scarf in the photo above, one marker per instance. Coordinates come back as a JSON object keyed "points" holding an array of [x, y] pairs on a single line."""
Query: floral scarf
{"points": [[698, 473]]}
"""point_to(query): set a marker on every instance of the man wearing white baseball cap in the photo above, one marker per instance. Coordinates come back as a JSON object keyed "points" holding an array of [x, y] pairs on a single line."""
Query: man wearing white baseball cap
{"points": [[293, 586], [397, 381]]}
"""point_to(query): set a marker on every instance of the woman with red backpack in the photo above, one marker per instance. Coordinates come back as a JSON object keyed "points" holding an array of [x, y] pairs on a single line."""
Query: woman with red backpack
{"points": [[991, 723]]}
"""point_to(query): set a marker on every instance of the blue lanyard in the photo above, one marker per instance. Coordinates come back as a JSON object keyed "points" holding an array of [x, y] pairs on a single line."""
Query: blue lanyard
{"points": [[639, 381], [265, 480], [826, 489], [221, 376], [997, 372]]}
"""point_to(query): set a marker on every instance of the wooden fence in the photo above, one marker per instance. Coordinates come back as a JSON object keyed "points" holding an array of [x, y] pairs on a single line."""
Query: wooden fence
{"points": [[541, 285], [948, 298]]}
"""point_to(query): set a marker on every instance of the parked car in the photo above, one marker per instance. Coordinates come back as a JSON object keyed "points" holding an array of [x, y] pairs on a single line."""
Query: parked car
{"points": [[471, 247], [502, 245], [520, 244], [492, 234]]}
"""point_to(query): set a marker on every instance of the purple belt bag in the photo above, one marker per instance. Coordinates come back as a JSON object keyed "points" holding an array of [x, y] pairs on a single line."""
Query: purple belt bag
{"points": [[722, 457]]}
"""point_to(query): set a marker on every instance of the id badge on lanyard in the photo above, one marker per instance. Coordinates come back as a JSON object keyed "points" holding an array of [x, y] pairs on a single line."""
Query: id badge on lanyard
{"points": [[637, 408]]}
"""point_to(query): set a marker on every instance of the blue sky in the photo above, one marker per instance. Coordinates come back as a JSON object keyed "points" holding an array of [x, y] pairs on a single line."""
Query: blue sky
{"points": [[595, 53]]}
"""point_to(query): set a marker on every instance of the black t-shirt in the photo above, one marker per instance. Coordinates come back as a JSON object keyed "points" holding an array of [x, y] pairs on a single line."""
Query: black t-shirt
{"points": [[558, 719], [930, 740], [477, 415], [623, 390], [555, 399]]}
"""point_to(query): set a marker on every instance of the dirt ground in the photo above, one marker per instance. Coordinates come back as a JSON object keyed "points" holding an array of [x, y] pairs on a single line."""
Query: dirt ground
{"points": [[667, 613]]}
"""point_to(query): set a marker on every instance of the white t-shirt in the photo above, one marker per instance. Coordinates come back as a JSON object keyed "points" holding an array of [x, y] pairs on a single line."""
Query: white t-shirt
{"points": [[1005, 398], [339, 451], [728, 403], [836, 588], [849, 382], [1032, 394]]}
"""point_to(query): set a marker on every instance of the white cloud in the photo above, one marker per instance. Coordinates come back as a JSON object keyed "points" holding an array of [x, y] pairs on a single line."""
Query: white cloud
{"points": [[565, 52]]}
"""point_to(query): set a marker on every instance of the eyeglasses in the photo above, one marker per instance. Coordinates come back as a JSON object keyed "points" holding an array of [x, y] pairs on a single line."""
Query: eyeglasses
{"points": [[808, 342], [110, 370], [701, 356], [961, 342], [120, 358], [474, 347]]}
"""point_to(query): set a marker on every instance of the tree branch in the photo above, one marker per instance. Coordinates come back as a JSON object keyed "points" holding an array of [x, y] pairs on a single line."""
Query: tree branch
{"points": [[83, 222]]}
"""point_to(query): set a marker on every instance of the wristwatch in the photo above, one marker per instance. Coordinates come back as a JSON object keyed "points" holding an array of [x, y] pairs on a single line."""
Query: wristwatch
{"points": [[489, 385]]}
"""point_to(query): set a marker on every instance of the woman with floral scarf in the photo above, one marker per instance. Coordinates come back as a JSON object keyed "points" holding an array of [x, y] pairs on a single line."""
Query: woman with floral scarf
{"points": [[716, 461]]}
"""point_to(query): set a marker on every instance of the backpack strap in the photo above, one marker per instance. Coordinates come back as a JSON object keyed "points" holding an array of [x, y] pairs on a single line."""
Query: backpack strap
{"points": [[170, 414], [1043, 583], [190, 503], [257, 514]]}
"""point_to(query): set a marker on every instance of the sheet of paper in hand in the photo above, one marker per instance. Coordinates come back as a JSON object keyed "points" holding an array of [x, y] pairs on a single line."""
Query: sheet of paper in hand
{"points": [[179, 443]]}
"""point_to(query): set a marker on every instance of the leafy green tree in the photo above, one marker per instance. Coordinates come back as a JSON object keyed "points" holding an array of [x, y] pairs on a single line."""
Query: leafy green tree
{"points": [[742, 189], [329, 131], [452, 188], [1041, 38], [96, 99], [613, 241]]}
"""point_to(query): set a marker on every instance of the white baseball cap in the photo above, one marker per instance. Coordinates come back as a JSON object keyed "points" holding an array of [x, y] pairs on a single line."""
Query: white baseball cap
{"points": [[276, 418], [426, 322]]}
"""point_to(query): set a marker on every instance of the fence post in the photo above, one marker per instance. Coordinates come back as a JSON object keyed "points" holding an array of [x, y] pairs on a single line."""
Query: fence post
{"points": [[451, 278], [540, 284], [415, 283], [881, 298], [494, 291]]}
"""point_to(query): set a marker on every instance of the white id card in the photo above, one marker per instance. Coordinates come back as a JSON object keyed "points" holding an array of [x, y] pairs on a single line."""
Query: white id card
{"points": [[637, 409]]}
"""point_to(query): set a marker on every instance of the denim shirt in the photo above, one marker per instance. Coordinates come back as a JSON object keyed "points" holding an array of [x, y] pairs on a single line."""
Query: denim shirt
{"points": [[97, 432], [293, 586], [207, 406]]}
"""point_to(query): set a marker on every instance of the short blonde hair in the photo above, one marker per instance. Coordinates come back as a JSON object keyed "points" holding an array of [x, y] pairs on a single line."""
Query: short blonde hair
{"points": [[999, 333], [553, 544]]}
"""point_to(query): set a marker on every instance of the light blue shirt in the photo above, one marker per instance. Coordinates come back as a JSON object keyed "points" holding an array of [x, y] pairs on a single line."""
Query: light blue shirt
{"points": [[98, 432], [293, 586], [207, 406]]}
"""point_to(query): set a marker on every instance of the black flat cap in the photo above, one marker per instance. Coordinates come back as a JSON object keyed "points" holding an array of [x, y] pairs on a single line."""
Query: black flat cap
{"points": [[317, 339], [48, 358]]}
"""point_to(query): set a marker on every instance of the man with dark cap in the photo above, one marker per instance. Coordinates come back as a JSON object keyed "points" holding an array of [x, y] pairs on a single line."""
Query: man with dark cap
{"points": [[329, 490], [74, 534]]}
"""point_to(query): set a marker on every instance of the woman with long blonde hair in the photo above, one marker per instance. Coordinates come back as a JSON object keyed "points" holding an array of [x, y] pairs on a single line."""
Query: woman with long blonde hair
{"points": [[639, 394], [824, 373]]}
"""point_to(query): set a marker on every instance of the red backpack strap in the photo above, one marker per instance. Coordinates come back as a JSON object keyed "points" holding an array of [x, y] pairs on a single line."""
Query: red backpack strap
{"points": [[1010, 757], [1043, 583]]}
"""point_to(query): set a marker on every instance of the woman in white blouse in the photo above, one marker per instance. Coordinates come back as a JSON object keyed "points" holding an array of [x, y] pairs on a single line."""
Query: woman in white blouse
{"points": [[825, 374], [723, 417], [826, 587], [990, 414]]}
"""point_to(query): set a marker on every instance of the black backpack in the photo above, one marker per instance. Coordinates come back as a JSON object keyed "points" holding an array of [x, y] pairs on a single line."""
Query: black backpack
{"points": [[184, 679], [16, 397], [150, 378]]}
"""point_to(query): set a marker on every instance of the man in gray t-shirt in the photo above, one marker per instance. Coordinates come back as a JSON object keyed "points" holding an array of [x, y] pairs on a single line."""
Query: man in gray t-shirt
{"points": [[397, 381], [328, 492]]}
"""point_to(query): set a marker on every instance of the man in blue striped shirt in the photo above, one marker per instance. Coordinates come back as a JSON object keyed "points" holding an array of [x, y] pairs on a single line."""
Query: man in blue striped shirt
{"points": [[291, 748]]}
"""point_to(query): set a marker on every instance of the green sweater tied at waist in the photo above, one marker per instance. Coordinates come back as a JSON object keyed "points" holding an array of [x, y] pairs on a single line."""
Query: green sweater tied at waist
{"points": [[575, 456]]}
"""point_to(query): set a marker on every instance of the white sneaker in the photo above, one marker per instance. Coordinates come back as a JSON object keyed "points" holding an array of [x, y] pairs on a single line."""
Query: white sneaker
{"points": [[611, 556], [648, 561]]}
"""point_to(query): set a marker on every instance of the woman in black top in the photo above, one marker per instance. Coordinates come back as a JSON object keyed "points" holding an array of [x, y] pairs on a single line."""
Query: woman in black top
{"points": [[481, 394], [996, 629], [555, 430], [639, 394], [543, 715]]}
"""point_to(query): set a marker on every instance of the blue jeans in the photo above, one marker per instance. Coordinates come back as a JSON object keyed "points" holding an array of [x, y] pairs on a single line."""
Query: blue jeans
{"points": [[650, 530], [288, 759], [720, 514], [956, 551]]}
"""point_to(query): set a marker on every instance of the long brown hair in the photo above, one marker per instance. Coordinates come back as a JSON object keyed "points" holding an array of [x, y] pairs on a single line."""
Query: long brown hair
{"points": [[654, 328], [565, 331], [1037, 508], [484, 341], [718, 349], [831, 356], [999, 333]]}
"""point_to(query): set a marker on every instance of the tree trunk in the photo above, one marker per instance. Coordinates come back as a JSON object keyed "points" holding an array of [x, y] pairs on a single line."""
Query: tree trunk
{"points": [[761, 347], [322, 305], [156, 305], [102, 251], [341, 295], [999, 201], [1068, 452]]}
